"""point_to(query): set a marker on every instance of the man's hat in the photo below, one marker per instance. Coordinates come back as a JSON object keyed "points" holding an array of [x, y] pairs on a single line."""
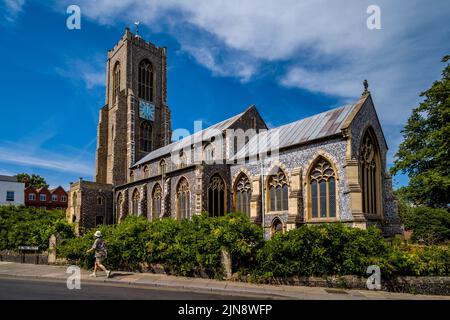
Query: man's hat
{"points": [[97, 234]]}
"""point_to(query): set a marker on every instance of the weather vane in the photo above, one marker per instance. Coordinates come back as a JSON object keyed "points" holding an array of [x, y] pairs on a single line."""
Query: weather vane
{"points": [[136, 23], [366, 86]]}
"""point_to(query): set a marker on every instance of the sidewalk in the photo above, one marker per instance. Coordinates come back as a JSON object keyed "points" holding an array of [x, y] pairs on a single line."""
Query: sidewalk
{"points": [[152, 281]]}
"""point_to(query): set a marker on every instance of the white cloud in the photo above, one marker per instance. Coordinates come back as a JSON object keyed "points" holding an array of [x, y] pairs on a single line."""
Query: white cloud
{"points": [[92, 73], [12, 8], [323, 45], [23, 155]]}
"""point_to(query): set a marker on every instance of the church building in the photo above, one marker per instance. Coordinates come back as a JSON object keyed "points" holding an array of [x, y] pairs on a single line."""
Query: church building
{"points": [[327, 168]]}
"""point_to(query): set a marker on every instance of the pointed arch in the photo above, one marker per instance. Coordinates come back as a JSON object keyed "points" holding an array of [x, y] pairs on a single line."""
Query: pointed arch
{"points": [[322, 189], [242, 192], [370, 173], [216, 196], [277, 190], [135, 202], [183, 199], [145, 133], [277, 226], [145, 80], [116, 82], [156, 201]]}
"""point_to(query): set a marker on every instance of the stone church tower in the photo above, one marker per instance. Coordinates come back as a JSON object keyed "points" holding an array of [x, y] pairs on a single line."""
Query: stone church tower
{"points": [[134, 121]]}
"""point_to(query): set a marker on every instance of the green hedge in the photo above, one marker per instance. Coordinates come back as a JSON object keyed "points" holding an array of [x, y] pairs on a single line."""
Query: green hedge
{"points": [[184, 248], [332, 249], [22, 226], [191, 246]]}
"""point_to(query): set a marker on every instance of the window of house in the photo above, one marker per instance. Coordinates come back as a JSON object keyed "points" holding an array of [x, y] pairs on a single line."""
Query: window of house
{"points": [[116, 82], [322, 184], [369, 173], [243, 194], [156, 201], [54, 197], [9, 195], [146, 136], [183, 200], [278, 190], [63, 199], [135, 203], [145, 80], [216, 196], [32, 197], [43, 197], [162, 167]]}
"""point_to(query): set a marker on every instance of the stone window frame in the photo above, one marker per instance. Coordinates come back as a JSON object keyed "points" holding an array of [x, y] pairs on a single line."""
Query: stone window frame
{"points": [[215, 185], [283, 183], [274, 226], [146, 171], [371, 195], [145, 134], [135, 199], [116, 82], [156, 200], [242, 182], [313, 163], [183, 198], [162, 167], [145, 80]]}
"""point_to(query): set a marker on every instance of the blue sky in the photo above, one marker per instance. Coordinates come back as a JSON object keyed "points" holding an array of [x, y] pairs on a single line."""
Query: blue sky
{"points": [[290, 58]]}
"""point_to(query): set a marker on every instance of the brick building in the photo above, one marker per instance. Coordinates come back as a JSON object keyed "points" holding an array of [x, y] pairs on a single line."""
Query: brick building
{"points": [[327, 168], [43, 198]]}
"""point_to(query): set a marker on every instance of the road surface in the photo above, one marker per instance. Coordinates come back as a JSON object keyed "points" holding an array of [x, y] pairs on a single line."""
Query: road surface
{"points": [[12, 288]]}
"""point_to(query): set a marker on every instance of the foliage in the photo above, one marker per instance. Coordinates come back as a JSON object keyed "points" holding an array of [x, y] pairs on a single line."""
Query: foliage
{"points": [[21, 226], [34, 180], [332, 249], [414, 260], [193, 246], [429, 225], [425, 152], [185, 248]]}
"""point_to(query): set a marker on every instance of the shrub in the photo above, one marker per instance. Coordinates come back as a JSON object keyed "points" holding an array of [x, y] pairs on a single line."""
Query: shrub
{"points": [[429, 225], [332, 249], [184, 248], [22, 226]]}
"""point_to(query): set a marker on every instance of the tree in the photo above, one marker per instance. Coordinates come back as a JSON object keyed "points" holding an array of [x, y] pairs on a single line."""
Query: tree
{"points": [[35, 180], [424, 155]]}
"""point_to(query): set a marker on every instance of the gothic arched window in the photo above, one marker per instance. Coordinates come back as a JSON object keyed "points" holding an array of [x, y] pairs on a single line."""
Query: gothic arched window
{"points": [[369, 172], [119, 209], [162, 167], [183, 159], [277, 226], [146, 171], [146, 136], [216, 196], [322, 184], [145, 80], [131, 176], [278, 190], [116, 82], [156, 201], [135, 205], [243, 193], [209, 153], [183, 200]]}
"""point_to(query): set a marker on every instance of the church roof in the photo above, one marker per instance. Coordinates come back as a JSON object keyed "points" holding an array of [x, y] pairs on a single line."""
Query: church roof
{"points": [[202, 135], [319, 126]]}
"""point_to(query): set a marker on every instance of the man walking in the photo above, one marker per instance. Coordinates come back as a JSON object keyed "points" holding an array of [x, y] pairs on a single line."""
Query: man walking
{"points": [[100, 254]]}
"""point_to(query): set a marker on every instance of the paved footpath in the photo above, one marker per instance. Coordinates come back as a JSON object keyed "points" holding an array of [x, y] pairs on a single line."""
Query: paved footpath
{"points": [[196, 285]]}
